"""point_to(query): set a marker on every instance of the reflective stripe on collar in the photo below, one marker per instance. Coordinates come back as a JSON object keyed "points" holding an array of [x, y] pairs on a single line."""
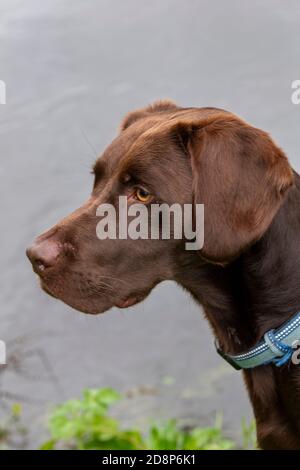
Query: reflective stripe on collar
{"points": [[277, 346]]}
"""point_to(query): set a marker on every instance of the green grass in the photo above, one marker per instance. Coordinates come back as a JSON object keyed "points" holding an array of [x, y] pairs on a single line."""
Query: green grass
{"points": [[12, 432], [86, 424]]}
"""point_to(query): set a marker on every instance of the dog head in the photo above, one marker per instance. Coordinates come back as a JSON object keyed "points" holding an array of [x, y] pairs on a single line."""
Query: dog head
{"points": [[164, 154]]}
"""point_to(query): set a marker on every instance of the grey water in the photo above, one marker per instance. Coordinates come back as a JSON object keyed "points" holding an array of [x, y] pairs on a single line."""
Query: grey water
{"points": [[72, 70]]}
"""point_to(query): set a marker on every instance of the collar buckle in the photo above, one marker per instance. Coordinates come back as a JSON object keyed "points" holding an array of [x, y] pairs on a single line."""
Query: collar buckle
{"points": [[225, 356]]}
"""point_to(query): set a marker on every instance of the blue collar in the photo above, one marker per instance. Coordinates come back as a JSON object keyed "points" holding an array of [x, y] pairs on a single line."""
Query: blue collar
{"points": [[276, 346]]}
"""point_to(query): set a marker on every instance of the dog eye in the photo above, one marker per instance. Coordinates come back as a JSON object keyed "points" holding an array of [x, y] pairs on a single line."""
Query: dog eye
{"points": [[142, 195]]}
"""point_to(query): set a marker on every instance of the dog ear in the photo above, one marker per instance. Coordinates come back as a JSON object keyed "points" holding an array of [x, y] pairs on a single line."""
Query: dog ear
{"points": [[240, 176], [157, 107]]}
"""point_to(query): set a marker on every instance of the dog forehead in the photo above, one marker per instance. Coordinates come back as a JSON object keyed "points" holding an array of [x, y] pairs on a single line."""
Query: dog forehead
{"points": [[139, 138], [149, 138]]}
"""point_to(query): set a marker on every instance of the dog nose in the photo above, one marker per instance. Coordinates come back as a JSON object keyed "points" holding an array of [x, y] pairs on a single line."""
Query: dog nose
{"points": [[43, 254]]}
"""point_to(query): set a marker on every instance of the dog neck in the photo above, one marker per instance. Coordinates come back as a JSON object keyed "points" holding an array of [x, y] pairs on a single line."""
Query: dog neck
{"points": [[256, 292]]}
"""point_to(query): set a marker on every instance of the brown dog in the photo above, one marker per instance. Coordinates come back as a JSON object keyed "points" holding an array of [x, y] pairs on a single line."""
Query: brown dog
{"points": [[246, 276]]}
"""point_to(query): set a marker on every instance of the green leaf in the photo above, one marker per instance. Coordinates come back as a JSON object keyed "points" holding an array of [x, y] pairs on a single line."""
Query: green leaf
{"points": [[85, 424], [48, 445]]}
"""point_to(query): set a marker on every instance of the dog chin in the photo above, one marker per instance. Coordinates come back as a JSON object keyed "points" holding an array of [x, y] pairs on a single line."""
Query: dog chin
{"points": [[96, 310], [86, 308], [81, 306], [95, 306], [99, 309]]}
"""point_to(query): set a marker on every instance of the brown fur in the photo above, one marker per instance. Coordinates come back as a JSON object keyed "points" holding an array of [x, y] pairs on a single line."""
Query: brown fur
{"points": [[247, 275]]}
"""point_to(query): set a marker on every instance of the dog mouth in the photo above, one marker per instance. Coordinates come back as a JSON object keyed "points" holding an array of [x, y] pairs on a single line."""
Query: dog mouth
{"points": [[130, 300], [96, 305], [87, 306], [46, 289]]}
